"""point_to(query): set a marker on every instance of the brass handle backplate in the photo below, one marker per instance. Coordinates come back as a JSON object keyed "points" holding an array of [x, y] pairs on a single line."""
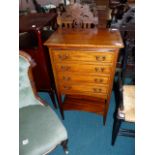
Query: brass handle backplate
{"points": [[63, 57], [65, 68], [66, 78], [99, 69], [98, 80], [100, 58], [67, 87], [97, 90]]}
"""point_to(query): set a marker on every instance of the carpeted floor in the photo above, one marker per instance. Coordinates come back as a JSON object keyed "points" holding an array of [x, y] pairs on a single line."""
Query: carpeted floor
{"points": [[88, 136]]}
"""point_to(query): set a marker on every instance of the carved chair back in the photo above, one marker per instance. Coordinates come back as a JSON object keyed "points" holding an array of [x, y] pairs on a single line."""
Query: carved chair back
{"points": [[77, 16], [27, 90]]}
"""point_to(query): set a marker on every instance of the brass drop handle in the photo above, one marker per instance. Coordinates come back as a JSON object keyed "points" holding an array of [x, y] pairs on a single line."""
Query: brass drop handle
{"points": [[66, 78], [98, 80], [100, 58], [65, 68], [63, 57], [98, 69], [97, 90], [67, 87]]}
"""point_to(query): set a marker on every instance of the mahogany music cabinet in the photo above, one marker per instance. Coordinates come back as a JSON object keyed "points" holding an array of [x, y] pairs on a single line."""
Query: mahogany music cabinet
{"points": [[84, 62]]}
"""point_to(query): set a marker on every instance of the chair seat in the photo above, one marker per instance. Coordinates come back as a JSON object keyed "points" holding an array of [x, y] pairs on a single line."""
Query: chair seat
{"points": [[40, 130], [129, 102]]}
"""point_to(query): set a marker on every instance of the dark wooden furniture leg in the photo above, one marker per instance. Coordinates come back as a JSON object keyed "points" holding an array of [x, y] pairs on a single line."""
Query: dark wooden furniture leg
{"points": [[116, 126], [62, 112], [41, 50], [65, 147], [59, 105], [105, 117], [51, 94], [104, 120]]}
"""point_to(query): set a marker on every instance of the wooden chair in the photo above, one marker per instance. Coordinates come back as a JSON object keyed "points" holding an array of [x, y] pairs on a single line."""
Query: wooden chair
{"points": [[40, 130], [77, 16], [125, 108]]}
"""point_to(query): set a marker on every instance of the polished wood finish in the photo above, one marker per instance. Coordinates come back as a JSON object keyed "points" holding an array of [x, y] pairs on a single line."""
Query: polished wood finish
{"points": [[84, 63], [42, 71], [89, 69], [98, 39], [65, 56], [96, 79], [36, 21], [33, 24], [90, 90], [85, 104]]}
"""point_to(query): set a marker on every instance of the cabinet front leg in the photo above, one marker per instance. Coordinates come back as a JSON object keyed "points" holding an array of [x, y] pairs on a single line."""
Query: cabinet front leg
{"points": [[60, 105], [104, 120], [51, 93]]}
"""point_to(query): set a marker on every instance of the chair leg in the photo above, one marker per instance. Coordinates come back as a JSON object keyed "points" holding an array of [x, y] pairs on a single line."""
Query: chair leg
{"points": [[127, 132], [65, 147], [51, 93], [116, 126]]}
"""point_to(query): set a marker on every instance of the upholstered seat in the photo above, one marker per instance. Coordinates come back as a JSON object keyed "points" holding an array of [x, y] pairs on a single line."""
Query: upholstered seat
{"points": [[40, 130]]}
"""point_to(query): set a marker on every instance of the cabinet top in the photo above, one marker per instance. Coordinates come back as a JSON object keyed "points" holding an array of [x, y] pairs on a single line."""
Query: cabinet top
{"points": [[97, 38]]}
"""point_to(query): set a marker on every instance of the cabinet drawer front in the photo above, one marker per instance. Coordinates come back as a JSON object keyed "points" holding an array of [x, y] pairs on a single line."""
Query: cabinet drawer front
{"points": [[83, 89], [76, 78], [86, 56], [83, 69]]}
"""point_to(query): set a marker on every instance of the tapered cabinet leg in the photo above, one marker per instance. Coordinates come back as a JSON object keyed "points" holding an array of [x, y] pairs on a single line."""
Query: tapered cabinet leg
{"points": [[59, 104], [116, 126], [62, 113], [105, 112], [51, 93], [65, 147], [104, 120]]}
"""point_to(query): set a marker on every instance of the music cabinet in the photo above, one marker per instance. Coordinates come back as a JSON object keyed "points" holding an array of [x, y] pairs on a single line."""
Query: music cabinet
{"points": [[84, 63]]}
